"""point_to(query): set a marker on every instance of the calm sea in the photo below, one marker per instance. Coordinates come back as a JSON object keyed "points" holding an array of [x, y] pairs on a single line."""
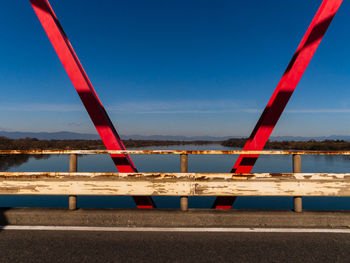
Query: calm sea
{"points": [[170, 163]]}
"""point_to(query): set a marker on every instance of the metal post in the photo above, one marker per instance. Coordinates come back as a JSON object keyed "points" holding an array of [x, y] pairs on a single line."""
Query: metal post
{"points": [[73, 165], [298, 205], [184, 169]]}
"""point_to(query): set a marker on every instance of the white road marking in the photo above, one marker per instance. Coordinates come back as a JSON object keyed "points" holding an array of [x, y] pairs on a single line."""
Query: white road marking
{"points": [[177, 229]]}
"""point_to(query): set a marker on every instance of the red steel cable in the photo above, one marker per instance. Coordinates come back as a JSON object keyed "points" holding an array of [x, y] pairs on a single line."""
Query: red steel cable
{"points": [[86, 91], [283, 92]]}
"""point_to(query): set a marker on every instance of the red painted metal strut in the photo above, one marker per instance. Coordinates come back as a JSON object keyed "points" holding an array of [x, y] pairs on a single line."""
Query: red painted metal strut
{"points": [[86, 91], [283, 92]]}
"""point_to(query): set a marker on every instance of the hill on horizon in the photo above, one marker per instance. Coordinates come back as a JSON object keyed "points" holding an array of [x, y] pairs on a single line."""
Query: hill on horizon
{"points": [[65, 135]]}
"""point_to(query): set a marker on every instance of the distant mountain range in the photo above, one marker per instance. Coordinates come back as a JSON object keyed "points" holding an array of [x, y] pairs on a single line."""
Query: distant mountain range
{"points": [[319, 138], [64, 135], [176, 138]]}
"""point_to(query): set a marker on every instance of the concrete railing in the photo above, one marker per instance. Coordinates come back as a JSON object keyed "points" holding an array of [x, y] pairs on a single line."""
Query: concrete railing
{"points": [[181, 184]]}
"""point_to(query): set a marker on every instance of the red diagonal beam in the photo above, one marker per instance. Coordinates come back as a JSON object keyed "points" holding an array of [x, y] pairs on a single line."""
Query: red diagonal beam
{"points": [[283, 92], [86, 91]]}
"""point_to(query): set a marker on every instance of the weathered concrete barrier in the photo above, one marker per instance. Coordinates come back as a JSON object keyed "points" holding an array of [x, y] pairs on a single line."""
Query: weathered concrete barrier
{"points": [[174, 184], [182, 184]]}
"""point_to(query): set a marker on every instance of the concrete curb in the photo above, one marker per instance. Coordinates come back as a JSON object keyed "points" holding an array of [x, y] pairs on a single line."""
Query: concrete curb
{"points": [[173, 218]]}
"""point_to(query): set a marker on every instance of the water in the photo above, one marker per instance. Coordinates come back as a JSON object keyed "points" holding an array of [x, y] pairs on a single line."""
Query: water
{"points": [[196, 163]]}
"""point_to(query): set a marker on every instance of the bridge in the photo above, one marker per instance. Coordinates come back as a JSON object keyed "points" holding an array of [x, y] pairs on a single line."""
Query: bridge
{"points": [[245, 162], [184, 234]]}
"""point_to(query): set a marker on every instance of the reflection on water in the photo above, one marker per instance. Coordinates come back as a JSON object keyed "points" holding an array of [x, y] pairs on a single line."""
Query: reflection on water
{"points": [[170, 163], [15, 160]]}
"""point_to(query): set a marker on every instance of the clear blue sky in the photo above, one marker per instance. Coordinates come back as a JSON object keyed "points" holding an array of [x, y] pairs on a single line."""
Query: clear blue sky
{"points": [[174, 67]]}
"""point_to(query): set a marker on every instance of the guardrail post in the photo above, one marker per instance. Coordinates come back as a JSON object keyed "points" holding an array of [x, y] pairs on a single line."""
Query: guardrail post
{"points": [[73, 165], [298, 205], [184, 169]]}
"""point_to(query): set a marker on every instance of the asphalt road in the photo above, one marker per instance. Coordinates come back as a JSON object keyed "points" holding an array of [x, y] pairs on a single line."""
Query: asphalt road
{"points": [[81, 246]]}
